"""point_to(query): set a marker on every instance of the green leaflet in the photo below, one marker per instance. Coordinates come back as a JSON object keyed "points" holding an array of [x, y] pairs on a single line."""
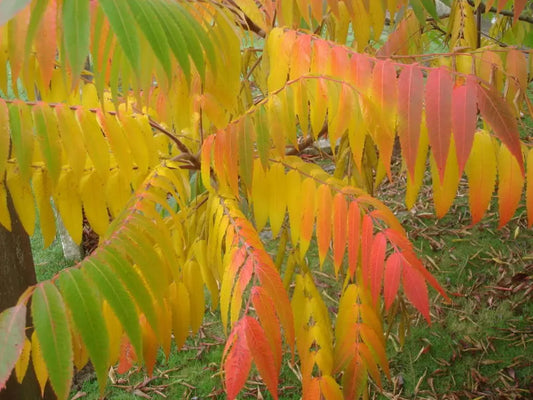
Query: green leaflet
{"points": [[133, 282], [175, 38], [51, 325], [9, 8], [22, 139], [12, 323], [86, 312], [48, 138], [123, 26], [118, 297], [194, 45], [146, 18], [431, 8], [76, 28]]}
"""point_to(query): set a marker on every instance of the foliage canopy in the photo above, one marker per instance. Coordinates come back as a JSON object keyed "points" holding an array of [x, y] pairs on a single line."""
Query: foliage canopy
{"points": [[180, 131]]}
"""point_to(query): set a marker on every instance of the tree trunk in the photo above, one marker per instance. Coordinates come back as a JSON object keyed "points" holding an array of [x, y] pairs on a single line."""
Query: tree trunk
{"points": [[17, 272]]}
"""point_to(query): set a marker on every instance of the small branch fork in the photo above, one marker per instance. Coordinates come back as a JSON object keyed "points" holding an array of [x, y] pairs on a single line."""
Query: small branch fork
{"points": [[506, 13]]}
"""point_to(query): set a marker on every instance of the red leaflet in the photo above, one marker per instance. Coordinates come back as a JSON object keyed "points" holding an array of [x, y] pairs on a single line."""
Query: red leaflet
{"points": [[439, 89], [414, 287], [262, 354], [393, 271], [519, 6], [127, 355], [354, 236], [379, 246], [385, 94], [366, 247], [498, 115], [271, 281], [237, 361], [410, 103], [340, 211], [264, 308], [323, 221], [464, 119]]}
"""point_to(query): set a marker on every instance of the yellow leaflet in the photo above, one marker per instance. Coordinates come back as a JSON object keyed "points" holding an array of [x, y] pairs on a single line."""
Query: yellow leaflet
{"points": [[5, 219], [22, 363], [95, 143], [377, 16], [136, 141], [444, 192], [342, 23], [71, 139], [301, 107], [200, 249], [81, 354], [164, 316], [288, 116], [195, 287], [148, 136], [481, 172], [324, 356], [38, 362], [3, 59], [94, 204], [357, 134], [68, 203], [278, 46], [287, 12], [294, 208], [260, 196], [413, 186], [89, 96], [180, 181], [464, 64], [42, 191], [118, 191], [22, 197], [277, 201], [180, 307], [51, 146], [361, 23], [318, 102], [119, 145], [115, 331], [529, 190], [251, 10], [308, 214]]}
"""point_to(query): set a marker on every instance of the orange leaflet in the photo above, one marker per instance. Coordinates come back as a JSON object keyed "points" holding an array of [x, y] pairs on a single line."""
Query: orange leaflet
{"points": [[414, 287], [464, 119], [45, 42], [439, 89], [321, 55], [410, 103], [340, 212], [354, 238], [300, 57], [529, 190], [339, 63], [323, 221], [245, 275], [262, 354], [150, 344], [308, 214], [516, 65], [379, 246], [264, 308], [497, 113], [510, 184], [237, 361], [393, 271], [127, 355]]}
